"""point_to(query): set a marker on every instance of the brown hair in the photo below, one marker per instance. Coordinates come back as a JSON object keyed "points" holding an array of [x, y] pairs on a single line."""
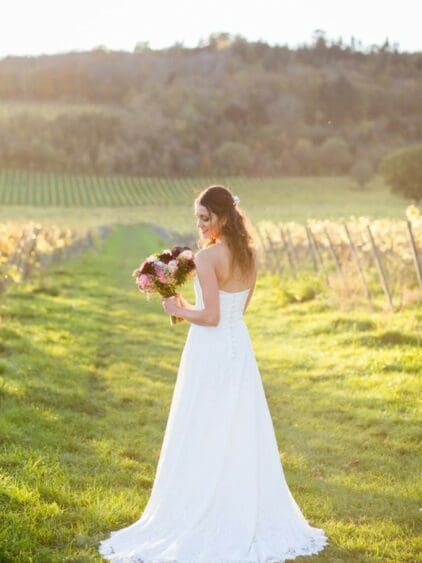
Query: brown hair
{"points": [[236, 229]]}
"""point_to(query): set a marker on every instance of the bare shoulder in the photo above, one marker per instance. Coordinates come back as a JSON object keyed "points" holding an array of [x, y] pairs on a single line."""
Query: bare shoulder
{"points": [[206, 255]]}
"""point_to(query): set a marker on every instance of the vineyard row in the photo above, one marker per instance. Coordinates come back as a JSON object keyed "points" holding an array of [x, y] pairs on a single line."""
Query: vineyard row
{"points": [[24, 248], [381, 254]]}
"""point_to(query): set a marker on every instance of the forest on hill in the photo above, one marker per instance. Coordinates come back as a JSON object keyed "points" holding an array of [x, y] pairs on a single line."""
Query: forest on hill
{"points": [[227, 105]]}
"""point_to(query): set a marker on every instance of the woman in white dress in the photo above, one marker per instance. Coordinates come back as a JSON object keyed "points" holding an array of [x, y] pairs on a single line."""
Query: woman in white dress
{"points": [[219, 493]]}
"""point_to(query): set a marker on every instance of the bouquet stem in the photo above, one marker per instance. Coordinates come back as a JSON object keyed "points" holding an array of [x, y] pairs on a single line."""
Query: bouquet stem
{"points": [[174, 320]]}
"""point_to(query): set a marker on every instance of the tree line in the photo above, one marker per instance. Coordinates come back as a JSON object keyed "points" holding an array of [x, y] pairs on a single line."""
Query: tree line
{"points": [[227, 105]]}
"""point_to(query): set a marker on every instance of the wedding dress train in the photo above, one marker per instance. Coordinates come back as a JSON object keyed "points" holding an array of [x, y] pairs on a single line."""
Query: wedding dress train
{"points": [[219, 494]]}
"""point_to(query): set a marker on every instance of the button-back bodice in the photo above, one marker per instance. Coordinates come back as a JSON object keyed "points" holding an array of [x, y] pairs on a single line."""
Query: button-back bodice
{"points": [[231, 303]]}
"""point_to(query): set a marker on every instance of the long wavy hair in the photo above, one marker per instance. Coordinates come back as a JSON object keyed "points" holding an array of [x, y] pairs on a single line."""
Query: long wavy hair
{"points": [[236, 229]]}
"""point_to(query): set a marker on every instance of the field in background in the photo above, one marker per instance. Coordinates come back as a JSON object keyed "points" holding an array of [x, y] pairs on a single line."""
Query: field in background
{"points": [[83, 201]]}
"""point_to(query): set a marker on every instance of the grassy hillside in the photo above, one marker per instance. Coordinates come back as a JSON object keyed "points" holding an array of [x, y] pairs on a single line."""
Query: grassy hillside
{"points": [[87, 370], [227, 105]]}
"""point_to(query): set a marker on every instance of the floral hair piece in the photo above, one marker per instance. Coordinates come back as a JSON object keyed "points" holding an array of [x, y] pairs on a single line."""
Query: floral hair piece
{"points": [[236, 199]]}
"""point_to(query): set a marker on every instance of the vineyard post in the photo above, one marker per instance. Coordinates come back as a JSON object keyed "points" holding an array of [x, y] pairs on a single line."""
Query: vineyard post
{"points": [[288, 251], [273, 257], [319, 256], [401, 284], [380, 268], [311, 249], [283, 241], [291, 247], [357, 262], [333, 253], [262, 245], [415, 256]]}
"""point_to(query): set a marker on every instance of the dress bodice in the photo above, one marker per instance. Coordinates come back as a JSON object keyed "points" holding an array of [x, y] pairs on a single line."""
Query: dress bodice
{"points": [[231, 303]]}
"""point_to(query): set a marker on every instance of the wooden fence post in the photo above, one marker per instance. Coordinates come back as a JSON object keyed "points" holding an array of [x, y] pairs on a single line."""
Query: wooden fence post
{"points": [[319, 256], [274, 263], [333, 254], [289, 256], [311, 249], [380, 268], [264, 255], [291, 246], [357, 262], [416, 261]]}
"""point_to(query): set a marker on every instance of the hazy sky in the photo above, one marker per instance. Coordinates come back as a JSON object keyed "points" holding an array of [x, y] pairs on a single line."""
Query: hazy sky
{"points": [[52, 26]]}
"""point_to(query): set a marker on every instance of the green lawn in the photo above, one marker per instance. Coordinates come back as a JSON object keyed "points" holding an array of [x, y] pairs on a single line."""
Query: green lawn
{"points": [[87, 371]]}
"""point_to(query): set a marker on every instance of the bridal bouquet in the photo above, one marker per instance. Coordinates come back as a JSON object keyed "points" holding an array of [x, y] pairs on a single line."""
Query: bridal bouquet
{"points": [[163, 271]]}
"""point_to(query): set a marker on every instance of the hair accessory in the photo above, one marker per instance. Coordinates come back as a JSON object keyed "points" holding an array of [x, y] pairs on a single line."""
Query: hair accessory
{"points": [[236, 199]]}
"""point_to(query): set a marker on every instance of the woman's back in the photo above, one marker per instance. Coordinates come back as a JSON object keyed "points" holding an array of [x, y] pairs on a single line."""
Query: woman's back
{"points": [[228, 280]]}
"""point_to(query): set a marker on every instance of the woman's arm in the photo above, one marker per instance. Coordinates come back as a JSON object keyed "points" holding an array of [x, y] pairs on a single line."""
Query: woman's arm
{"points": [[210, 314], [185, 304], [196, 316]]}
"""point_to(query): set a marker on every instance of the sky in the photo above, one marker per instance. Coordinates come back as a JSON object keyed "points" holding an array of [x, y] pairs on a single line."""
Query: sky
{"points": [[33, 27]]}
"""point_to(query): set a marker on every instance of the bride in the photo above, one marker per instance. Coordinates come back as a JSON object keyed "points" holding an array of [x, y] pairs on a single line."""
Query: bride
{"points": [[219, 493]]}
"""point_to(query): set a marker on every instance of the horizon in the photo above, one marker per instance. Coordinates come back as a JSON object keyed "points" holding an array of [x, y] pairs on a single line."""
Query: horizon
{"points": [[358, 46], [49, 28]]}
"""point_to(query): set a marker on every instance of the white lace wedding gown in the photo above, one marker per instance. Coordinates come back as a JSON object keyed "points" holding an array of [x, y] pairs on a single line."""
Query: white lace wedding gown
{"points": [[219, 494]]}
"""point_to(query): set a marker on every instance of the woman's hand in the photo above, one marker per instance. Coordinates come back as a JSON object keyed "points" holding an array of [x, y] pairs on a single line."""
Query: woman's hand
{"points": [[171, 304]]}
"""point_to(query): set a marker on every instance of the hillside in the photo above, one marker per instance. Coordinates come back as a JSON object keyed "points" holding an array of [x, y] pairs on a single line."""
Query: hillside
{"points": [[229, 105]]}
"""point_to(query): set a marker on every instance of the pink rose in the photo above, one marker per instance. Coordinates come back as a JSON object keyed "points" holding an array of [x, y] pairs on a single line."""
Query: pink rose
{"points": [[161, 276], [185, 255], [159, 266], [145, 281], [173, 265]]}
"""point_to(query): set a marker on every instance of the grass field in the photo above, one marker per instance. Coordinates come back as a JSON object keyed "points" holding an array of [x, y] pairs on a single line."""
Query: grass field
{"points": [[87, 371]]}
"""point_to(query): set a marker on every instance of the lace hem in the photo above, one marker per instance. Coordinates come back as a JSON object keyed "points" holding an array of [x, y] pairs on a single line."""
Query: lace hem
{"points": [[316, 544]]}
